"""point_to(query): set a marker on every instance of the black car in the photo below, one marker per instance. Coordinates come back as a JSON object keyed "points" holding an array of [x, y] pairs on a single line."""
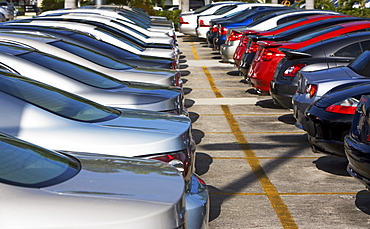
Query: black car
{"points": [[357, 143], [290, 34], [329, 119], [91, 42], [338, 51]]}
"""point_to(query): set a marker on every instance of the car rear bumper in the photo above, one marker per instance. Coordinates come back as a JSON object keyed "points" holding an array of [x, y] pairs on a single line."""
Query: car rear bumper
{"points": [[282, 93], [197, 203]]}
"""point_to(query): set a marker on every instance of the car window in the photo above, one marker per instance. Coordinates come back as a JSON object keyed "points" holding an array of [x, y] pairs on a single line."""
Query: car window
{"points": [[361, 65], [365, 45], [224, 9], [117, 35], [91, 55], [203, 8], [293, 18], [74, 71], [352, 50], [55, 100], [316, 33], [27, 165]]}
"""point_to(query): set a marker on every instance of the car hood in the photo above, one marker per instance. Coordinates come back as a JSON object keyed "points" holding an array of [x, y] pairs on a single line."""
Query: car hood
{"points": [[104, 180]]}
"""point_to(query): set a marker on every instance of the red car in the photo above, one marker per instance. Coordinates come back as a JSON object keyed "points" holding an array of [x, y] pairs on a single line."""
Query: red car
{"points": [[243, 44], [268, 56]]}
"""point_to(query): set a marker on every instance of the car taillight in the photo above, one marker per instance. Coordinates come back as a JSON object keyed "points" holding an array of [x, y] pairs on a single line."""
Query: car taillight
{"points": [[182, 21], [347, 106], [292, 70], [267, 55], [368, 138], [311, 89], [244, 41], [214, 29], [234, 36], [222, 31], [180, 160], [202, 24], [253, 47]]}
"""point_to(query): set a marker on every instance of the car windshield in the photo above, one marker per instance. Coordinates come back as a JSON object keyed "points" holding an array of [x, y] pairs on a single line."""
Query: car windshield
{"points": [[361, 65], [91, 55], [55, 100], [74, 71], [27, 165], [315, 34]]}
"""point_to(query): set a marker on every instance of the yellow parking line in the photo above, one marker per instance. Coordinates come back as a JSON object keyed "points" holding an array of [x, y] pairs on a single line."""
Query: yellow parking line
{"points": [[285, 194], [272, 194], [195, 54]]}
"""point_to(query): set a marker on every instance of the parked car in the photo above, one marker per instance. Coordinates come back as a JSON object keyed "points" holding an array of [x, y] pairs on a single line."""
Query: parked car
{"points": [[90, 58], [7, 9], [188, 20], [89, 83], [312, 85], [135, 18], [356, 143], [86, 40], [265, 62], [107, 33], [58, 120], [203, 20], [329, 119], [334, 52], [219, 38], [110, 191], [242, 50], [267, 22]]}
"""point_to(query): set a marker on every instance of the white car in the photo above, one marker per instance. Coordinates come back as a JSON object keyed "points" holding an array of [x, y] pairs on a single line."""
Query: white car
{"points": [[58, 120], [89, 83], [203, 20], [113, 37], [90, 58], [188, 20], [53, 190]]}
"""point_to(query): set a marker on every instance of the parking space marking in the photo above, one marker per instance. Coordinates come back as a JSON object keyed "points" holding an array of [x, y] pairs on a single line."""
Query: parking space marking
{"points": [[272, 194], [195, 54]]}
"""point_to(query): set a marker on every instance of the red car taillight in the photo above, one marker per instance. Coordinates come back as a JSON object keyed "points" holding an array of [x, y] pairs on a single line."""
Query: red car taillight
{"points": [[243, 41], [253, 47], [202, 24], [311, 89], [268, 55], [180, 160], [292, 70], [347, 106], [234, 36], [182, 21], [214, 29], [222, 31]]}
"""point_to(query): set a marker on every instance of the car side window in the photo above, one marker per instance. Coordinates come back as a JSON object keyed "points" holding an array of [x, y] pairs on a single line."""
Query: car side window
{"points": [[291, 18], [365, 45], [352, 50]]}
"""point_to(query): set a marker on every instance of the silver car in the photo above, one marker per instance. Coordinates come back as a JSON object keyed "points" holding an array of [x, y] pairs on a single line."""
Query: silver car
{"points": [[89, 83], [58, 120], [91, 59], [49, 189], [112, 36]]}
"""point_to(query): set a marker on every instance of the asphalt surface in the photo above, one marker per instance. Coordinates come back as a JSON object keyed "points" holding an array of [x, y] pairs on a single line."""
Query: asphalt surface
{"points": [[259, 167]]}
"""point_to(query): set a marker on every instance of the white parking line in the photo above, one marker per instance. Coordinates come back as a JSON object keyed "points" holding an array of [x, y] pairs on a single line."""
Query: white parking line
{"points": [[224, 101]]}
